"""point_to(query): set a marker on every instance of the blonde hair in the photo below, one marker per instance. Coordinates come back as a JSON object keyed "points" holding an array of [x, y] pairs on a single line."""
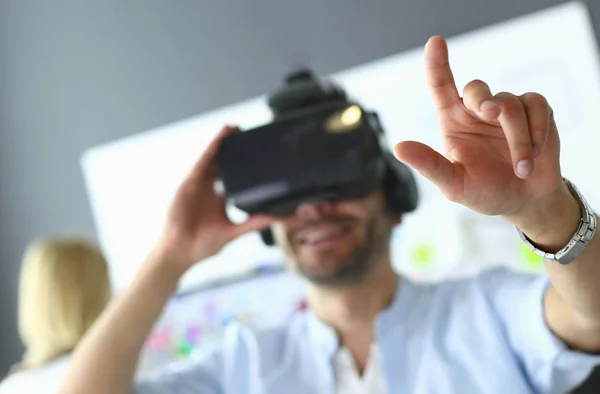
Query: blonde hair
{"points": [[64, 286]]}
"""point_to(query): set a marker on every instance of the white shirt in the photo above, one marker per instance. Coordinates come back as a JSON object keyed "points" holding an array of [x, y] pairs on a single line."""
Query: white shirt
{"points": [[348, 381], [43, 380]]}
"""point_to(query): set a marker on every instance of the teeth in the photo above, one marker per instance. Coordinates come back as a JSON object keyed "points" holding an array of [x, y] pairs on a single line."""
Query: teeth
{"points": [[318, 235]]}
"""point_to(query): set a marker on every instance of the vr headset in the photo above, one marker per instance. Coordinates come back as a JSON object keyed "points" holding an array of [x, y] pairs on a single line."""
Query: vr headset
{"points": [[319, 146]]}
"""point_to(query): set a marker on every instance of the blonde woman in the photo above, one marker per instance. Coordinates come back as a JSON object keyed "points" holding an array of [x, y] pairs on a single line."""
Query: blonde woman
{"points": [[64, 286]]}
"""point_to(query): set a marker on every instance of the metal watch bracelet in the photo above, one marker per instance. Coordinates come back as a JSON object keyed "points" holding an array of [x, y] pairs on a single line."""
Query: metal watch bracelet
{"points": [[582, 237]]}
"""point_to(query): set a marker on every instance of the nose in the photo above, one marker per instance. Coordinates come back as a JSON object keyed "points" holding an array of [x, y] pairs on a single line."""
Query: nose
{"points": [[314, 209]]}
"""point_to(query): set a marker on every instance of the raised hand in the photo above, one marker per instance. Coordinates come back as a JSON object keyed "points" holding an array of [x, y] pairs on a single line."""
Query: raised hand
{"points": [[197, 225], [501, 151]]}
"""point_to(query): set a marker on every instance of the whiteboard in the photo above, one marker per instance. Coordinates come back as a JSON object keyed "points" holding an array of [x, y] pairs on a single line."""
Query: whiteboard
{"points": [[554, 52]]}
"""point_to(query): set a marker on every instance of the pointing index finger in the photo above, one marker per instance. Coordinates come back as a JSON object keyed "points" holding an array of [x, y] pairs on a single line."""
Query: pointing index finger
{"points": [[439, 75]]}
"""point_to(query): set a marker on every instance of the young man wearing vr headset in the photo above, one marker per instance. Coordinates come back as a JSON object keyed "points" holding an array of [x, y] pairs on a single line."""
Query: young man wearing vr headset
{"points": [[367, 329]]}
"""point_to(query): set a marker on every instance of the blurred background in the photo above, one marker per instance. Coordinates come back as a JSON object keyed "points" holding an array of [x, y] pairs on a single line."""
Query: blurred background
{"points": [[85, 84]]}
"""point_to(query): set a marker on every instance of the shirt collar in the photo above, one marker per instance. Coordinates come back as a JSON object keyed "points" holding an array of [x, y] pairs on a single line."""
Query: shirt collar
{"points": [[322, 334], [397, 312]]}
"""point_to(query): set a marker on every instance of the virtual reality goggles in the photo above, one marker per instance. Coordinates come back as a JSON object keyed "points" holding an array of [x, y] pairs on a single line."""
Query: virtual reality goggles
{"points": [[332, 151]]}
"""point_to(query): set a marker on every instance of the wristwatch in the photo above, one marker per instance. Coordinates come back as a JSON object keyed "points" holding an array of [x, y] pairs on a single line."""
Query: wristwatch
{"points": [[580, 240]]}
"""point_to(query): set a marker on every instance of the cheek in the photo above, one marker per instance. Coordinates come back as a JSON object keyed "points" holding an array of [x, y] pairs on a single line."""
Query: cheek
{"points": [[280, 234], [359, 233]]}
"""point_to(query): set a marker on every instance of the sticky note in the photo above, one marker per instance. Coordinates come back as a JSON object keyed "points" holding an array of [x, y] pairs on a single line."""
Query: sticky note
{"points": [[184, 349], [423, 255], [531, 260]]}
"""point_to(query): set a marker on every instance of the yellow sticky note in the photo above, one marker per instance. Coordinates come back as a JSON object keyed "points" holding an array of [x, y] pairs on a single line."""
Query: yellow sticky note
{"points": [[531, 260], [423, 255]]}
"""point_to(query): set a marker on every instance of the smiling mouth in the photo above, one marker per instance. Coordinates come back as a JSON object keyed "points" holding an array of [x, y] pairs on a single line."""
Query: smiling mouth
{"points": [[323, 234]]}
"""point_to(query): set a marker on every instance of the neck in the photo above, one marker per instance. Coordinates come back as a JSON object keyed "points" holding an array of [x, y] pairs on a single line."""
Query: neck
{"points": [[352, 309], [345, 306]]}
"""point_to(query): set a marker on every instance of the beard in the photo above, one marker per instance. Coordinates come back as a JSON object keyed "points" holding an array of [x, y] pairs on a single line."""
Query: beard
{"points": [[358, 263]]}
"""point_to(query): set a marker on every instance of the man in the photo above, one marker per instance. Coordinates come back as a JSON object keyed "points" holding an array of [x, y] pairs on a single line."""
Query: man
{"points": [[368, 329]]}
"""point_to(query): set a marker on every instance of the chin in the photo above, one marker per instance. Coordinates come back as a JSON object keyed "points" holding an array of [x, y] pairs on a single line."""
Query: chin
{"points": [[334, 280], [319, 267], [333, 272], [325, 262]]}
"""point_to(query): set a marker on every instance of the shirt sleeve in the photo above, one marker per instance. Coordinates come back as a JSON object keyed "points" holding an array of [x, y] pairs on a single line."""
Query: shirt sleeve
{"points": [[198, 375], [517, 300]]}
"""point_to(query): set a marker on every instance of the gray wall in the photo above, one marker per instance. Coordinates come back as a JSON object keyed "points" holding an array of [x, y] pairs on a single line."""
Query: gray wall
{"points": [[76, 74]]}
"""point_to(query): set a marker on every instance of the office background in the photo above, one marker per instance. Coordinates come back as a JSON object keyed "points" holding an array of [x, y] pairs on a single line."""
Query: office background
{"points": [[75, 75]]}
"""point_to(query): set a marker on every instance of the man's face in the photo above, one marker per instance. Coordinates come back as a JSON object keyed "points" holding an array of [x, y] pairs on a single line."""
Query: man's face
{"points": [[336, 243]]}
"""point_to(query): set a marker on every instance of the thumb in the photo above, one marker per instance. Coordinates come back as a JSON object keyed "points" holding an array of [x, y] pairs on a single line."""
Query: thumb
{"points": [[254, 223], [429, 163]]}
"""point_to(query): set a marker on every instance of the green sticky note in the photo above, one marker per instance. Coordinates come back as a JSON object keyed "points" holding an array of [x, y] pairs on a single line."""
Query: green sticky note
{"points": [[184, 349], [531, 260], [423, 255]]}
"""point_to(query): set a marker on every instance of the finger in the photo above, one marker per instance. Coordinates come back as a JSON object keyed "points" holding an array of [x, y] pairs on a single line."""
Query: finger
{"points": [[207, 158], [478, 99], [439, 75], [538, 117], [255, 222], [514, 123], [432, 165]]}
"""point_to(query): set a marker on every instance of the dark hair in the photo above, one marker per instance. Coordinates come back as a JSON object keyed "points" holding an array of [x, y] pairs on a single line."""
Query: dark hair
{"points": [[302, 89]]}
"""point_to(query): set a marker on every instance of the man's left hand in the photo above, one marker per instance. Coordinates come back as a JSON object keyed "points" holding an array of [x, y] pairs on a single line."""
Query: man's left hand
{"points": [[501, 150]]}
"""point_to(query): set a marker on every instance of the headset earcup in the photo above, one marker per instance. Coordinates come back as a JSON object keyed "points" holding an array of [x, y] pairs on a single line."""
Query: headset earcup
{"points": [[267, 237], [400, 186]]}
